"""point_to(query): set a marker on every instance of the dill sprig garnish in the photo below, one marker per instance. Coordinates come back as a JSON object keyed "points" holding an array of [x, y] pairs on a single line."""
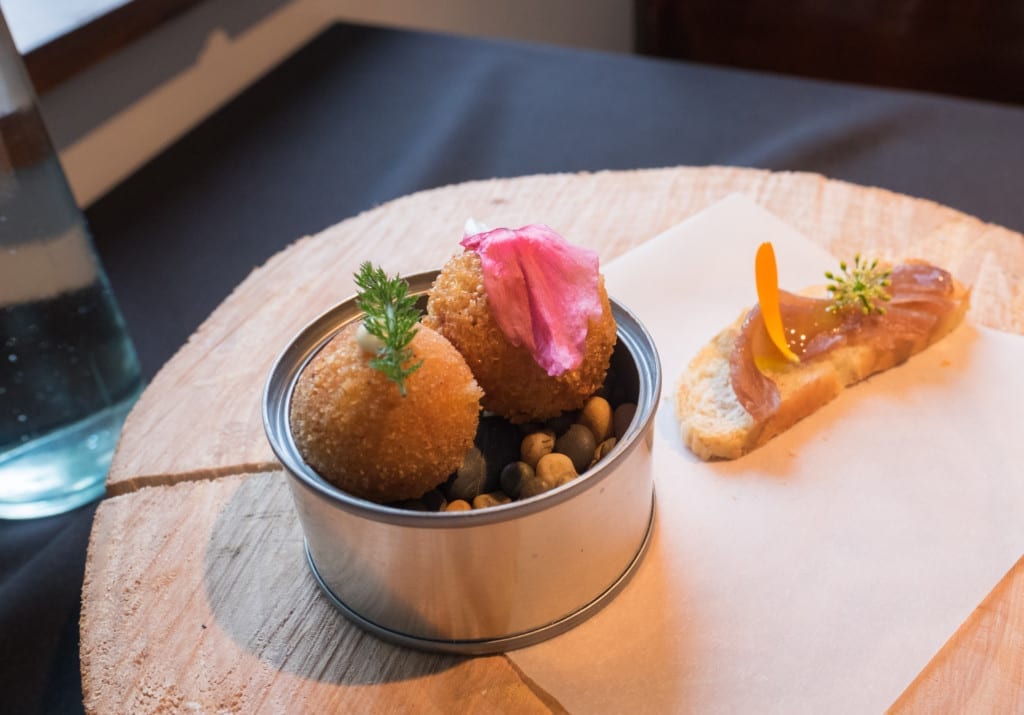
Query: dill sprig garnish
{"points": [[391, 316], [862, 286]]}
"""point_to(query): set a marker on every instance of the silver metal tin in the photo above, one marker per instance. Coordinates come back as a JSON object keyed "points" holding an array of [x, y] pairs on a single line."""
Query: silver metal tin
{"points": [[482, 581]]}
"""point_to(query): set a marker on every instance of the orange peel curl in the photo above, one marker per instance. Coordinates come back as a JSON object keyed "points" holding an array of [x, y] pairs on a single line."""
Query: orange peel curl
{"points": [[766, 275]]}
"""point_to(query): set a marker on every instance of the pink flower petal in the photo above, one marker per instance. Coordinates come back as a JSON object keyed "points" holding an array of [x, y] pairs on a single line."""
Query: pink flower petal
{"points": [[543, 291]]}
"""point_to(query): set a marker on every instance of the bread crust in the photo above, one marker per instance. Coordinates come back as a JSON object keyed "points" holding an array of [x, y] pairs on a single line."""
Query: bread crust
{"points": [[713, 423]]}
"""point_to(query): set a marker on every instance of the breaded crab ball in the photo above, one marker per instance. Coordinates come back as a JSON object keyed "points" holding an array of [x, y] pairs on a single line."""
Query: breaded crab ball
{"points": [[530, 314], [352, 423]]}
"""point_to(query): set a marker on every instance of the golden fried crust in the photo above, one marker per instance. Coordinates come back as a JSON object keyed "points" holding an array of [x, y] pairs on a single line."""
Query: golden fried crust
{"points": [[515, 386], [354, 428]]}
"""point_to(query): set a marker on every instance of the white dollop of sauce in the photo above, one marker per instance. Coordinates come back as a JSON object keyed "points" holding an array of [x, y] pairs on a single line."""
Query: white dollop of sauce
{"points": [[369, 344], [473, 227]]}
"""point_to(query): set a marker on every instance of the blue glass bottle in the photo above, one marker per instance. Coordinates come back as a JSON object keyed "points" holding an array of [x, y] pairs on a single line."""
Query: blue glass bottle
{"points": [[68, 370]]}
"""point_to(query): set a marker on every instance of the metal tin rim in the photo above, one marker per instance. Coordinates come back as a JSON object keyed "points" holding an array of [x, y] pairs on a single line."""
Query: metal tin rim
{"points": [[291, 361]]}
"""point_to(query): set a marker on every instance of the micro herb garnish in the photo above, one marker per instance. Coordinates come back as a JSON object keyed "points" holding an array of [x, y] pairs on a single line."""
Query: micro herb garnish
{"points": [[863, 286], [391, 316]]}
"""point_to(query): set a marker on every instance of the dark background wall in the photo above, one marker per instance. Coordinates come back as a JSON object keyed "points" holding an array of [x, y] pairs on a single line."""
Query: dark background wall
{"points": [[971, 48]]}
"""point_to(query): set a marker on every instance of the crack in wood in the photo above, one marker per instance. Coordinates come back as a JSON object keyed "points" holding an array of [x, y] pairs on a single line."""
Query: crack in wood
{"points": [[134, 484]]}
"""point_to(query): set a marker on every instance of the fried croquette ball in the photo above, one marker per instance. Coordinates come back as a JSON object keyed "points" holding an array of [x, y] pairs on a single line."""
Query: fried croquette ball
{"points": [[514, 385], [356, 430]]}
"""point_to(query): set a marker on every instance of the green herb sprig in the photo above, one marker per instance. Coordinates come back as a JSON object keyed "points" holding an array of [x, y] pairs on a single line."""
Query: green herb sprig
{"points": [[862, 286], [391, 316]]}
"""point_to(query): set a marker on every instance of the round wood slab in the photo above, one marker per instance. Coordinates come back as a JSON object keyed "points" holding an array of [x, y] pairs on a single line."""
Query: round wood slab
{"points": [[197, 596]]}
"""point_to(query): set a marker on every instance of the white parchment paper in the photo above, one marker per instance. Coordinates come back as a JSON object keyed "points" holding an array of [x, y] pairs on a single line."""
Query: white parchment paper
{"points": [[823, 571]]}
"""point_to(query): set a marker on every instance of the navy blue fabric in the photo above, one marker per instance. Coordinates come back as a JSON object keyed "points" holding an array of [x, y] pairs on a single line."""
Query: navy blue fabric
{"points": [[41, 567], [361, 116]]}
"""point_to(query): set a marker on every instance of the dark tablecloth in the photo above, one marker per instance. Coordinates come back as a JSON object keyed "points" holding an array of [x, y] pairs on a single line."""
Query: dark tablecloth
{"points": [[362, 115]]}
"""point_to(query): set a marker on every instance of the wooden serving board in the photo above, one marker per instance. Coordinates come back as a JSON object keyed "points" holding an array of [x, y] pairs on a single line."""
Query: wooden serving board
{"points": [[196, 595]]}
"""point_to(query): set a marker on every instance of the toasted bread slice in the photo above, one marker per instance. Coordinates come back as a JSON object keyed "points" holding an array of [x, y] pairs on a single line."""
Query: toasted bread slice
{"points": [[716, 426]]}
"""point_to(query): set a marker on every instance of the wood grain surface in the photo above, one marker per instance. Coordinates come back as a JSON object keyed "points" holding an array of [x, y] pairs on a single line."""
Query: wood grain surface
{"points": [[197, 597], [981, 668]]}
